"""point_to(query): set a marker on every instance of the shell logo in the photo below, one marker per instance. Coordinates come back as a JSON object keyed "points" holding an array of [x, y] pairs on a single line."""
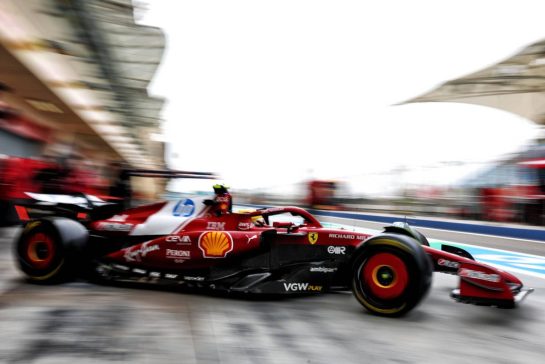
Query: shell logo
{"points": [[215, 244]]}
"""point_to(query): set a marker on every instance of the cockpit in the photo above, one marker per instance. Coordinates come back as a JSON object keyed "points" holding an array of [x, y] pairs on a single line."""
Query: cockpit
{"points": [[289, 218]]}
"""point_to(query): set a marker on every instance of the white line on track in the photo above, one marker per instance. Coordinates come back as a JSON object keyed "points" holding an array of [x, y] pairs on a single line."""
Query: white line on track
{"points": [[485, 235], [487, 248]]}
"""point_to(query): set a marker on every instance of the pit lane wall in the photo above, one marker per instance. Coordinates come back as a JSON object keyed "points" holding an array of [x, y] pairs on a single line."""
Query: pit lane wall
{"points": [[527, 233]]}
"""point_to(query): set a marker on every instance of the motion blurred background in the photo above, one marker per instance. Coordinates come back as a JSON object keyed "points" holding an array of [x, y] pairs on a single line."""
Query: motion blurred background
{"points": [[413, 108], [392, 107]]}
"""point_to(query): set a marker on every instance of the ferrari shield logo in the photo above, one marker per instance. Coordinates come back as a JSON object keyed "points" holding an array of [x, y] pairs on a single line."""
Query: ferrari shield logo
{"points": [[312, 238]]}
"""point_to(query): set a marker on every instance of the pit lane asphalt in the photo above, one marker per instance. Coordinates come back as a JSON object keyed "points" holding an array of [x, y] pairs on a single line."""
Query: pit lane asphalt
{"points": [[85, 323]]}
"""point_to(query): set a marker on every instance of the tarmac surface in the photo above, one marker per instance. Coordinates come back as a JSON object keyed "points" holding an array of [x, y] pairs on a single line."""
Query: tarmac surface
{"points": [[86, 323]]}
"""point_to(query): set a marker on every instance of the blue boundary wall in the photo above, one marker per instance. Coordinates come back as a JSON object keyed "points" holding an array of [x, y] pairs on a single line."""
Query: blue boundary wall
{"points": [[473, 228], [511, 232]]}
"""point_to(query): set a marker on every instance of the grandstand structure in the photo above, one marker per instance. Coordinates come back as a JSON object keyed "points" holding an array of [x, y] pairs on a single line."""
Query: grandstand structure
{"points": [[74, 76], [516, 85]]}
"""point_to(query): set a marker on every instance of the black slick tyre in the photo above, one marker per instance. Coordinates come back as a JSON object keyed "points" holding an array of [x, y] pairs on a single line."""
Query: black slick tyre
{"points": [[421, 238], [391, 274], [41, 253]]}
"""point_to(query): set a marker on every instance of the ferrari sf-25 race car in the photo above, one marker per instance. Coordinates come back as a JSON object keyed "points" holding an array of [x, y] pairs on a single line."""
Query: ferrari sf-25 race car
{"points": [[200, 243]]}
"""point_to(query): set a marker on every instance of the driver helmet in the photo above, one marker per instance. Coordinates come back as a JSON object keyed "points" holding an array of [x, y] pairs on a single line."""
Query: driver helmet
{"points": [[220, 189], [258, 220]]}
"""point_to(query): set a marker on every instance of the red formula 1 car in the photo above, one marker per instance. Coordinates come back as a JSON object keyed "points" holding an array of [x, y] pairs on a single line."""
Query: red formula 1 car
{"points": [[283, 250]]}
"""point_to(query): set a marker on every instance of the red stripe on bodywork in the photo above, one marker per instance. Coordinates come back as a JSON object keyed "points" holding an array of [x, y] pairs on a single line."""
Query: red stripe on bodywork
{"points": [[22, 213]]}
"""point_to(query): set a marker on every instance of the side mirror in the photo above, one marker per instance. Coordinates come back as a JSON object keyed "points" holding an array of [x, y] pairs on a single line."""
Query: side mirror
{"points": [[209, 202], [282, 224]]}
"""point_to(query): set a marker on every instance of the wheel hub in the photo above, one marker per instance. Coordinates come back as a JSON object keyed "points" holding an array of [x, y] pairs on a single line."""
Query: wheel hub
{"points": [[40, 250], [385, 276]]}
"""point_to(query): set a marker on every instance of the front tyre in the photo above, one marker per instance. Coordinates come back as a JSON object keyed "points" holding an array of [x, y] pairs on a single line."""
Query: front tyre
{"points": [[390, 274]]}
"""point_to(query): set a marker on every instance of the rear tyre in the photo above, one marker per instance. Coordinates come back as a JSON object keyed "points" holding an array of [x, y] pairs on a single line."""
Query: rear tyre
{"points": [[391, 274], [46, 252]]}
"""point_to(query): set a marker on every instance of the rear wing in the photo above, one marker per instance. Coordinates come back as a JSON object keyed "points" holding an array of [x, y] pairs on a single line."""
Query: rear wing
{"points": [[89, 207], [78, 206]]}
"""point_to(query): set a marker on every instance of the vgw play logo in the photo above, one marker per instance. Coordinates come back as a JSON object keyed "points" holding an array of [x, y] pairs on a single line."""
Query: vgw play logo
{"points": [[301, 287]]}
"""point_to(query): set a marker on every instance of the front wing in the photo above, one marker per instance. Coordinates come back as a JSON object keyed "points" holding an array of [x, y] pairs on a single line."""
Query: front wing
{"points": [[480, 284]]}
